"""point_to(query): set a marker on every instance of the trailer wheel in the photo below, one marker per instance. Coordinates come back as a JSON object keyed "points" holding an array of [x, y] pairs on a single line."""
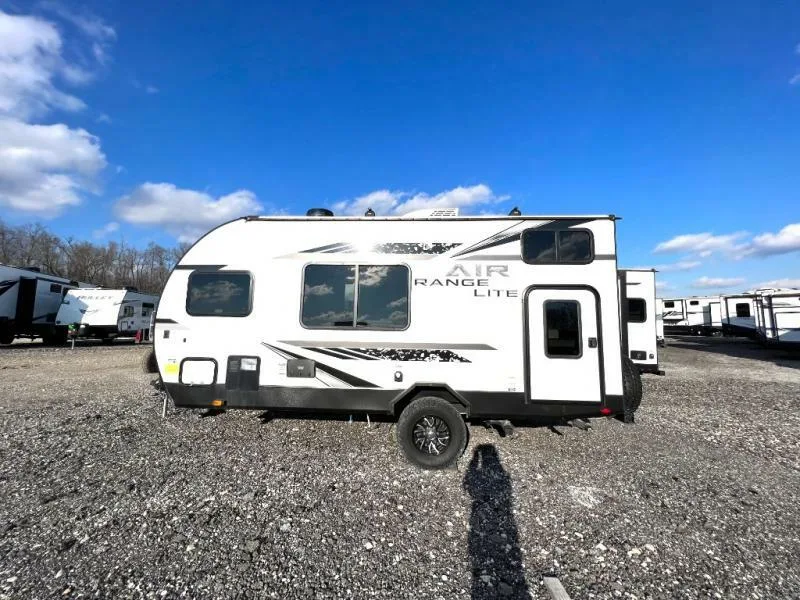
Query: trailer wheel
{"points": [[431, 433], [6, 336], [149, 363], [631, 385]]}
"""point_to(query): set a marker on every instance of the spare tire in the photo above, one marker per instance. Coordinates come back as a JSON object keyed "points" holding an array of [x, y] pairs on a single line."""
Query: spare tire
{"points": [[631, 385], [149, 363]]}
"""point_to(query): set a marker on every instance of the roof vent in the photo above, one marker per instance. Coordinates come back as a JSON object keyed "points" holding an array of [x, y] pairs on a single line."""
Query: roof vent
{"points": [[130, 288], [319, 212], [369, 213], [515, 212], [34, 269]]}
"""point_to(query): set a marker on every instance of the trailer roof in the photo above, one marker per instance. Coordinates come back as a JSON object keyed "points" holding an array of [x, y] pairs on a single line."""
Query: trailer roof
{"points": [[443, 218]]}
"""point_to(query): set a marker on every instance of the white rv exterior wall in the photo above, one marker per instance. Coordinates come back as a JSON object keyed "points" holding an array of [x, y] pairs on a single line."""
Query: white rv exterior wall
{"points": [[273, 251], [103, 308]]}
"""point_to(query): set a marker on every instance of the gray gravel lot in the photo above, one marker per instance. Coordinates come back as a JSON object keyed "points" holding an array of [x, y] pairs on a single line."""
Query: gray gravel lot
{"points": [[100, 497]]}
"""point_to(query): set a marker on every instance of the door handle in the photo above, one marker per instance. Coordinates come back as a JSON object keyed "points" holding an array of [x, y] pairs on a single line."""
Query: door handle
{"points": [[592, 342]]}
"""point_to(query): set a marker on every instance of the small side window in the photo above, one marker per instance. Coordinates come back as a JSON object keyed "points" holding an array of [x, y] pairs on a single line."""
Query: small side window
{"points": [[538, 246], [743, 309], [55, 288], [127, 311], [669, 304], [574, 246], [549, 247], [637, 310], [562, 324], [693, 302], [219, 294]]}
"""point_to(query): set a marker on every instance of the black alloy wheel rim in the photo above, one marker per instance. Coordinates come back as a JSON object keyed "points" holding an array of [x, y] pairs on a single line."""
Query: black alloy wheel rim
{"points": [[431, 435]]}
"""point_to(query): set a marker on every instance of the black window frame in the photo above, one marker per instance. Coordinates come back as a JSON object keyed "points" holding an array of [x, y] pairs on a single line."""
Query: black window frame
{"points": [[557, 234], [356, 270], [220, 272], [580, 329], [747, 306], [644, 310]]}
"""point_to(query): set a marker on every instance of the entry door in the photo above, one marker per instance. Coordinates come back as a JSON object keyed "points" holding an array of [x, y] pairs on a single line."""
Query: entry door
{"points": [[26, 302], [563, 345]]}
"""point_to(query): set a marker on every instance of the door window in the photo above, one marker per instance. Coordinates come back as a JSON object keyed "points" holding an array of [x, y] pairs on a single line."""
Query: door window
{"points": [[743, 309], [562, 328], [637, 310]]}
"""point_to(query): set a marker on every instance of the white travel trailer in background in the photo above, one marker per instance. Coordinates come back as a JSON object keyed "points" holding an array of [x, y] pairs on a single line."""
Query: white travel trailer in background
{"points": [[738, 314], [778, 317], [693, 315], [641, 318], [660, 323], [427, 319], [29, 301], [107, 313]]}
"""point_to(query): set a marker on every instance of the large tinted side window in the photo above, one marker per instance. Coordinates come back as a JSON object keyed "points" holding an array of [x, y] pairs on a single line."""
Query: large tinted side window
{"points": [[743, 309], [637, 310], [562, 328], [538, 246], [574, 246], [218, 294], [383, 297], [328, 296]]}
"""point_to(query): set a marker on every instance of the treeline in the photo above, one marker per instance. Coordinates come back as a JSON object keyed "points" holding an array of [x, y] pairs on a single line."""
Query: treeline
{"points": [[111, 265]]}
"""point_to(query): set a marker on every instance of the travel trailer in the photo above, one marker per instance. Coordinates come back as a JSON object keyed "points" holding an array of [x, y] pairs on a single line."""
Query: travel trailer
{"points": [[738, 315], [694, 315], [106, 314], [429, 319], [778, 318], [640, 318], [29, 301]]}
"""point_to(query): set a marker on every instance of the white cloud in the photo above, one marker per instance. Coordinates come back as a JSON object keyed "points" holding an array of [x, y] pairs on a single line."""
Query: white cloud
{"points": [[717, 282], [780, 283], [30, 57], [785, 241], [323, 289], [703, 244], [44, 167], [664, 285], [151, 89], [186, 214], [105, 230], [385, 202], [795, 79], [103, 118]]}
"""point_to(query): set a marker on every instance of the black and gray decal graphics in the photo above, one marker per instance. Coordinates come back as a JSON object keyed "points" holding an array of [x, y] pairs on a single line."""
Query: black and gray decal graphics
{"points": [[387, 248], [327, 369], [7, 285], [411, 354]]}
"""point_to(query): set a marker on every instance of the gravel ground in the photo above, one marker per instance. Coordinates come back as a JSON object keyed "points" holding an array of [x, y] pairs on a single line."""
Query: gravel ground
{"points": [[100, 497]]}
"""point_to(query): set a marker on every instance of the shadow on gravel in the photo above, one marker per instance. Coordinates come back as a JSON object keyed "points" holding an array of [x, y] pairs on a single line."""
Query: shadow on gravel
{"points": [[494, 551], [737, 348]]}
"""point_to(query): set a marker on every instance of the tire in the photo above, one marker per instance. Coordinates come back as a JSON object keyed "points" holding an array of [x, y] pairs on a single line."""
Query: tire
{"points": [[149, 363], [6, 336], [428, 416], [631, 385]]}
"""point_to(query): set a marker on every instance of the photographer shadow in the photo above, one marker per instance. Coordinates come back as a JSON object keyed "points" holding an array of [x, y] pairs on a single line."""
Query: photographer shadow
{"points": [[495, 555]]}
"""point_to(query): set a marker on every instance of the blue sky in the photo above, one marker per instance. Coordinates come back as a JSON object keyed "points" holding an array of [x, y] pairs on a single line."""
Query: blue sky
{"points": [[153, 121]]}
